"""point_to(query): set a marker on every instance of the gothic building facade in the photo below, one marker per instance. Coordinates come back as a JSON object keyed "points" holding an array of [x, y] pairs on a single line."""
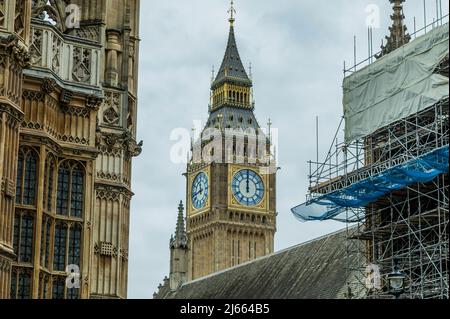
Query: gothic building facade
{"points": [[231, 182], [68, 88]]}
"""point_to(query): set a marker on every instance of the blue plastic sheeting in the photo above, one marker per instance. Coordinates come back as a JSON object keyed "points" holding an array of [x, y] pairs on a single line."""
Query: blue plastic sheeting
{"points": [[335, 205]]}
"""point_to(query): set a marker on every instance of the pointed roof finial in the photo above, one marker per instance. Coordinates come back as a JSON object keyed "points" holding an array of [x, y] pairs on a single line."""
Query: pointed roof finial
{"points": [[232, 11], [213, 72], [398, 32], [180, 238]]}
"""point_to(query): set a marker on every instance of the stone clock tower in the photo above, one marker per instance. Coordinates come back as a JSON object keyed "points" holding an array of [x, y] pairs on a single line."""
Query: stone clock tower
{"points": [[231, 180]]}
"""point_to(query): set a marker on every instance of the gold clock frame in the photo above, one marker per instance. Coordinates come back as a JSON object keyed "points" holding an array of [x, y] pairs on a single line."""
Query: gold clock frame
{"points": [[263, 206], [193, 211]]}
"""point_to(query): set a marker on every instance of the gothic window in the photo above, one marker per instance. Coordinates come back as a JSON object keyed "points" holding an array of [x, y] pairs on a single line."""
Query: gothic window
{"points": [[13, 291], [26, 178], [59, 285], [45, 241], [47, 244], [77, 193], [63, 192], [70, 194], [75, 245], [67, 246], [23, 237], [59, 257], [19, 179], [20, 284], [48, 187], [73, 293], [44, 286], [29, 186]]}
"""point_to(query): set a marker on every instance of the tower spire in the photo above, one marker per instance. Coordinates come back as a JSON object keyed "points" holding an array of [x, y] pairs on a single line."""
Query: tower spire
{"points": [[180, 238], [231, 68], [398, 32], [232, 11]]}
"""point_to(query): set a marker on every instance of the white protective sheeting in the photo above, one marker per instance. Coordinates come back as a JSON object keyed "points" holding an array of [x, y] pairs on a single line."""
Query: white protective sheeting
{"points": [[397, 85]]}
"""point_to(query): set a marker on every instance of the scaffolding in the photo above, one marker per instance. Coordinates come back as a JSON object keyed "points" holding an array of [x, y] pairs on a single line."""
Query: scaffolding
{"points": [[391, 189], [409, 224]]}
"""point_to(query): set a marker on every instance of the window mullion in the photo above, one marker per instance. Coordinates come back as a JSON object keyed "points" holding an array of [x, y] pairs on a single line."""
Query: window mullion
{"points": [[19, 240], [69, 227], [22, 186], [69, 195]]}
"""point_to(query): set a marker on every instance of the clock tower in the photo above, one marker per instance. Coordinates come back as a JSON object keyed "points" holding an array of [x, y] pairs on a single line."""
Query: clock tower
{"points": [[231, 177]]}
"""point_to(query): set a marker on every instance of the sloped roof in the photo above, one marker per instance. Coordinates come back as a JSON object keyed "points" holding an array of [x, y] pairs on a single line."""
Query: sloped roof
{"points": [[314, 270], [232, 68]]}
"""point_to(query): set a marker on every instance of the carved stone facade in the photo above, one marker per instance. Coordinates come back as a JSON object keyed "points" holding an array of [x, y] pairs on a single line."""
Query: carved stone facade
{"points": [[67, 140]]}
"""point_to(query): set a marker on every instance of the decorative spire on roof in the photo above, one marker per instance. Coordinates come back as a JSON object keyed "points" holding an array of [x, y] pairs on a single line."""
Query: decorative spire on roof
{"points": [[398, 36], [232, 68], [180, 239], [232, 11]]}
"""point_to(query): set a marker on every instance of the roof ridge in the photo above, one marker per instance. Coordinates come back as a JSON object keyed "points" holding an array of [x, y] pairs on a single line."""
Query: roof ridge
{"points": [[267, 256]]}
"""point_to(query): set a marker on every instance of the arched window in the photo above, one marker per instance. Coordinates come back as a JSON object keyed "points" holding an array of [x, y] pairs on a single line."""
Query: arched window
{"points": [[19, 179], [59, 285], [45, 241], [75, 245], [62, 202], [23, 238], [67, 252], [26, 178], [48, 184], [20, 284], [77, 192], [59, 257], [70, 194]]}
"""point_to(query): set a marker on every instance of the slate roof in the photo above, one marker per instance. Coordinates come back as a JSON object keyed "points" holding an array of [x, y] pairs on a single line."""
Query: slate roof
{"points": [[233, 117], [314, 270], [232, 68]]}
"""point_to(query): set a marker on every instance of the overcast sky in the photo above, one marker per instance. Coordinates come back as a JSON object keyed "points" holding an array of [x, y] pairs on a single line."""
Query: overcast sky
{"points": [[297, 49]]}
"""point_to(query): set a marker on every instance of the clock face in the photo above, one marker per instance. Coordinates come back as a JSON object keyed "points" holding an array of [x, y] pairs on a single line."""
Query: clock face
{"points": [[200, 191], [248, 187]]}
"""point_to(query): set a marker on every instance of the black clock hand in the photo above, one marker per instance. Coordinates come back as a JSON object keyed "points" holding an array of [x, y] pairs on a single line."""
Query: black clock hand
{"points": [[200, 191], [248, 182]]}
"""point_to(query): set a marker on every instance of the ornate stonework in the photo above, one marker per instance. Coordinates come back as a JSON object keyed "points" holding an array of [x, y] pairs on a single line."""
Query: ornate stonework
{"points": [[65, 178]]}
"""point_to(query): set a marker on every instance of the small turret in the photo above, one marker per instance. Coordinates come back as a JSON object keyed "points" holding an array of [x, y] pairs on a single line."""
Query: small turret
{"points": [[179, 253]]}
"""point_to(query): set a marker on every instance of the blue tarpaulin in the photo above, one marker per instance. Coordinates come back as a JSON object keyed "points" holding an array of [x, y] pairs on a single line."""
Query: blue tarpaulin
{"points": [[334, 206]]}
